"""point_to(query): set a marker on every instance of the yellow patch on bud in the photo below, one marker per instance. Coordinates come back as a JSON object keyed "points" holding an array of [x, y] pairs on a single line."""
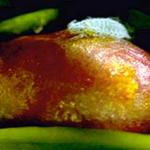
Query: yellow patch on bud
{"points": [[15, 91]]}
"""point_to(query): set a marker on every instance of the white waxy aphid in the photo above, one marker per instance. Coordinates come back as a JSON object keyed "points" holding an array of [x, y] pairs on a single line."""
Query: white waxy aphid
{"points": [[99, 27]]}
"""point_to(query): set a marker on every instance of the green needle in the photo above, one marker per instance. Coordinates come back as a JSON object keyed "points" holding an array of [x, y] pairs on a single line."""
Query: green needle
{"points": [[66, 138], [34, 21]]}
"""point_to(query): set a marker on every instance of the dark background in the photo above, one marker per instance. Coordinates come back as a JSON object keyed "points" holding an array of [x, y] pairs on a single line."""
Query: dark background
{"points": [[80, 9]]}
